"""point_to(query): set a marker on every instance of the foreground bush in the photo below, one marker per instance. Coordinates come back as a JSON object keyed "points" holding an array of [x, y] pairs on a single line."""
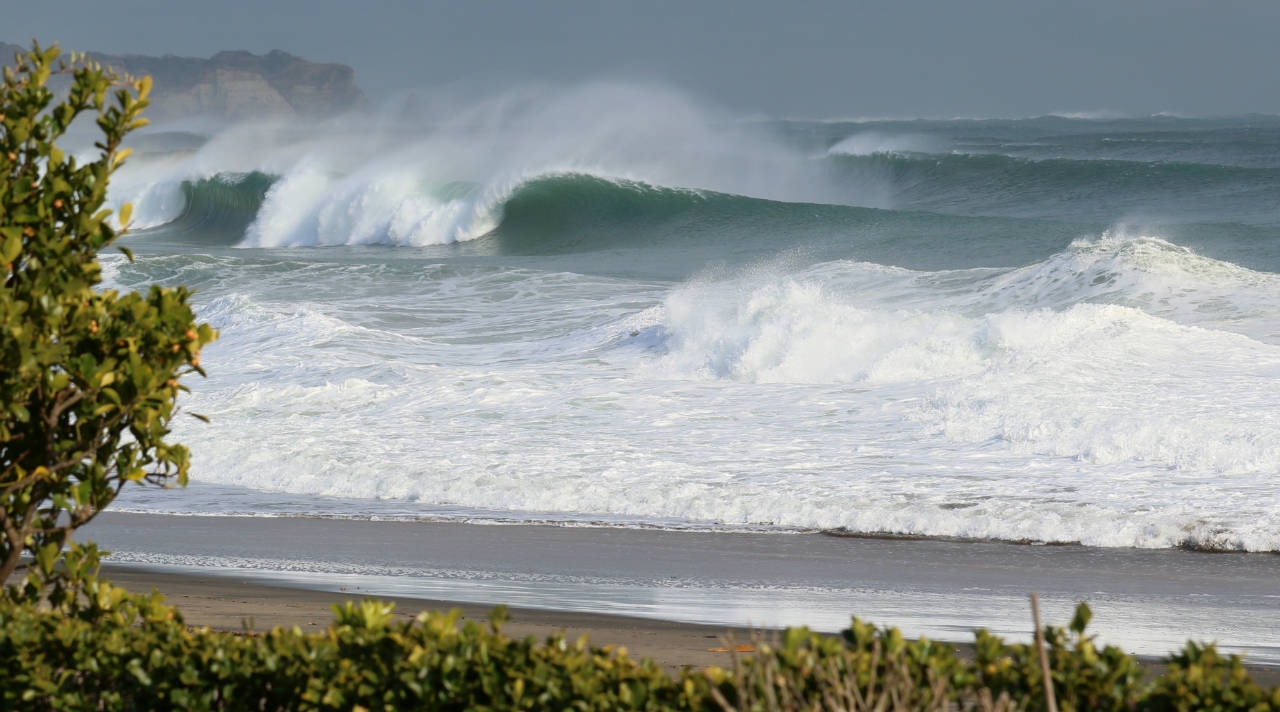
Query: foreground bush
{"points": [[111, 650], [89, 379], [123, 652]]}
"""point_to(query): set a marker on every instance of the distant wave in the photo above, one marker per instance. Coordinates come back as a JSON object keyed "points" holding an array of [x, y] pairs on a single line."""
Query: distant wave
{"points": [[994, 184], [961, 170], [870, 143]]}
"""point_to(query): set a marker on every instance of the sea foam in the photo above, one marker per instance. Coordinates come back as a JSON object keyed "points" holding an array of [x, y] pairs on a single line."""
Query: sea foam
{"points": [[1109, 394]]}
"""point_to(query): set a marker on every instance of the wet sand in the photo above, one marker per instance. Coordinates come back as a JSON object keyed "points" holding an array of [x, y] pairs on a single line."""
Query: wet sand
{"points": [[671, 595], [228, 603]]}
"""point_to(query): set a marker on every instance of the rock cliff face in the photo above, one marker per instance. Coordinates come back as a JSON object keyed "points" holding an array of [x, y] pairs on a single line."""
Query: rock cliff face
{"points": [[236, 85]]}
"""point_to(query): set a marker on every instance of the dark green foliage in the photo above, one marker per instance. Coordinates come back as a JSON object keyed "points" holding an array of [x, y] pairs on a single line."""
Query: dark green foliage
{"points": [[1201, 679], [865, 669], [1084, 677], [134, 653], [112, 650], [88, 378]]}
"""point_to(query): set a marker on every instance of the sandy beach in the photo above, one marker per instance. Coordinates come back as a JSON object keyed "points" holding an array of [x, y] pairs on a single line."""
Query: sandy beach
{"points": [[671, 595], [230, 603]]}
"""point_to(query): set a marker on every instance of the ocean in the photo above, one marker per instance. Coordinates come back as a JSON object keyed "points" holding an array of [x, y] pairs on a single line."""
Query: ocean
{"points": [[616, 306]]}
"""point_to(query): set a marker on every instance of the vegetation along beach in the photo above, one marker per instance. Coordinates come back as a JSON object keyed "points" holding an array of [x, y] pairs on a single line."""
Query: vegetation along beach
{"points": [[788, 388]]}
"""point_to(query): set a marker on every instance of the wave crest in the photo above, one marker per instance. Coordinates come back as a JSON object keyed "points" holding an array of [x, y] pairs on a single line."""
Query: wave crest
{"points": [[1098, 354]]}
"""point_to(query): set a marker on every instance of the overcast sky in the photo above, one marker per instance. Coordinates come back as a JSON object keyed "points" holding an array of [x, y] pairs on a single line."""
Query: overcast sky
{"points": [[815, 59]]}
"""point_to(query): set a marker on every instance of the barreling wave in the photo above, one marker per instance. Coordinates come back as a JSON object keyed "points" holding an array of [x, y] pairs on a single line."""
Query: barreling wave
{"points": [[541, 213], [312, 209], [569, 212], [550, 212], [220, 206], [576, 212]]}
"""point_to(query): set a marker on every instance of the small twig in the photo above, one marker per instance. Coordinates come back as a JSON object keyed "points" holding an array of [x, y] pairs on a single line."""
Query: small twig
{"points": [[1050, 701]]}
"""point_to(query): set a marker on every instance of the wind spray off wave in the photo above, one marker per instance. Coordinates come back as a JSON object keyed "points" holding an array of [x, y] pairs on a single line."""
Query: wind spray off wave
{"points": [[439, 184]]}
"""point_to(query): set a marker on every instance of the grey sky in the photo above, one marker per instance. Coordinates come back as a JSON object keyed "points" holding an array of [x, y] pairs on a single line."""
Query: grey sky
{"points": [[812, 59]]}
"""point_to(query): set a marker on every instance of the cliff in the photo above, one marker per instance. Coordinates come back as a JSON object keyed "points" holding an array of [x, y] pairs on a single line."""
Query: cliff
{"points": [[236, 85]]}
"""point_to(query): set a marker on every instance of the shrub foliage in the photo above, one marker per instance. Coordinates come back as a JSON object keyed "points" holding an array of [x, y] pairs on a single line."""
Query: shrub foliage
{"points": [[111, 650], [88, 378]]}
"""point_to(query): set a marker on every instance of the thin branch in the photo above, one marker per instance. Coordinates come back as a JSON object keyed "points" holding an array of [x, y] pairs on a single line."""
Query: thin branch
{"points": [[19, 484], [60, 405], [1050, 700]]}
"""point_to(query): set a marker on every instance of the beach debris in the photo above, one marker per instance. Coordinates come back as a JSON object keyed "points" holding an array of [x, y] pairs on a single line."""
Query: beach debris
{"points": [[744, 648]]}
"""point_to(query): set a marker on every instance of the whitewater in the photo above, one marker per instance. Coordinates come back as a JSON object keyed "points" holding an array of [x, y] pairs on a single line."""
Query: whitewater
{"points": [[615, 306]]}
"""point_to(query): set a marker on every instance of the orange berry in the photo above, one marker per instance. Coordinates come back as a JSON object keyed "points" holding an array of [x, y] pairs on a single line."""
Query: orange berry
{"points": [[175, 348], [58, 203], [172, 383], [13, 156], [93, 326], [191, 335], [195, 360]]}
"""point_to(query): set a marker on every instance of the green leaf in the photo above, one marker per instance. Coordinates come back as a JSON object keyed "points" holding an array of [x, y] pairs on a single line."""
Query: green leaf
{"points": [[12, 244], [1081, 619]]}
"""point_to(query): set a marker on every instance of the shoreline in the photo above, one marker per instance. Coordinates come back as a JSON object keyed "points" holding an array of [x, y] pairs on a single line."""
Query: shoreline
{"points": [[230, 603], [1148, 602], [685, 528]]}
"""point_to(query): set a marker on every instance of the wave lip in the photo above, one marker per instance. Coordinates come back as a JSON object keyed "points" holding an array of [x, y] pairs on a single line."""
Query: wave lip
{"points": [[556, 209], [870, 143], [313, 206], [1147, 273]]}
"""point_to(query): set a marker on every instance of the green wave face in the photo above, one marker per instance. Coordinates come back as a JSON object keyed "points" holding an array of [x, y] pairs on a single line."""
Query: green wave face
{"points": [[951, 195], [580, 213], [219, 208]]}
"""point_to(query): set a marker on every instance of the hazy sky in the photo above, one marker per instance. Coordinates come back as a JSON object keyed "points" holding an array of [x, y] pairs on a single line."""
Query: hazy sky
{"points": [[811, 59]]}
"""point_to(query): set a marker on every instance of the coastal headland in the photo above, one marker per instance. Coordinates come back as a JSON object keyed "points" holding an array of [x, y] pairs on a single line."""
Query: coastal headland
{"points": [[235, 85]]}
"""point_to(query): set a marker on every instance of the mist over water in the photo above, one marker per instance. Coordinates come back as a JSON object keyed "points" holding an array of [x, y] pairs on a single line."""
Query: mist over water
{"points": [[613, 304]]}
